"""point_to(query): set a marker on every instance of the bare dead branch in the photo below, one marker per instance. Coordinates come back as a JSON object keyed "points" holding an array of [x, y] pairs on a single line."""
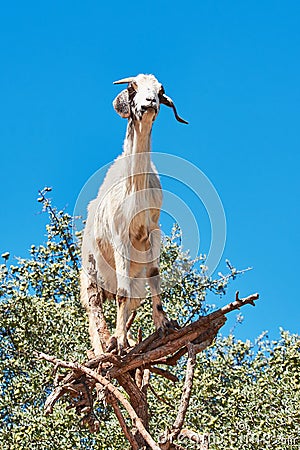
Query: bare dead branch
{"points": [[159, 397], [203, 341], [239, 302], [113, 401], [164, 373], [156, 348], [130, 320], [95, 297], [139, 377], [53, 398], [164, 347], [111, 388], [186, 393], [141, 347], [146, 381], [202, 439]]}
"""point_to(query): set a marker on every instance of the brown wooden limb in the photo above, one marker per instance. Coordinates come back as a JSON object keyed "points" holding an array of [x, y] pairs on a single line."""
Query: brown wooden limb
{"points": [[130, 320], [53, 398], [164, 373], [113, 401], [66, 380], [203, 341], [161, 399], [172, 360], [142, 376], [202, 439], [139, 403], [139, 335], [112, 389], [155, 348], [202, 323], [102, 359], [95, 297], [146, 381], [239, 302], [139, 377], [186, 393], [143, 345], [137, 397], [173, 343]]}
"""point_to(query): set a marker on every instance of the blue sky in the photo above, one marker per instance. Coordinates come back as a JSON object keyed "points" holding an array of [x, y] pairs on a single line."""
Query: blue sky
{"points": [[233, 70]]}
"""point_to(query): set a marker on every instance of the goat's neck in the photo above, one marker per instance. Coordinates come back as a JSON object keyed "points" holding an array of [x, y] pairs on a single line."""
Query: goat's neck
{"points": [[137, 147]]}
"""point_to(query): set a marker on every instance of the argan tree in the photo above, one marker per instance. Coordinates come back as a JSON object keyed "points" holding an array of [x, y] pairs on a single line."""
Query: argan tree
{"points": [[240, 394]]}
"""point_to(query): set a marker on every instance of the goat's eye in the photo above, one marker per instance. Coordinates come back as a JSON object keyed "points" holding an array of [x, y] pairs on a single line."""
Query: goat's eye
{"points": [[132, 88]]}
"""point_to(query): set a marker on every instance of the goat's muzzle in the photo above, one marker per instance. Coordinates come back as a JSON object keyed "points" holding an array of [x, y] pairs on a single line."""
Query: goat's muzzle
{"points": [[151, 105]]}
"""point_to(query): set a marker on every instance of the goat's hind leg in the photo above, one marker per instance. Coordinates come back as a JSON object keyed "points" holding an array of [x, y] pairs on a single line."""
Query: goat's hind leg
{"points": [[158, 314]]}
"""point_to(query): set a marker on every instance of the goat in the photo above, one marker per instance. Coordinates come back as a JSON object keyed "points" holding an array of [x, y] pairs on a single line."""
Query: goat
{"points": [[122, 231]]}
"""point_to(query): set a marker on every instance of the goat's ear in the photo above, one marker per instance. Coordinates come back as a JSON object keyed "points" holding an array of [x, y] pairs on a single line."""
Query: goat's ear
{"points": [[121, 104]]}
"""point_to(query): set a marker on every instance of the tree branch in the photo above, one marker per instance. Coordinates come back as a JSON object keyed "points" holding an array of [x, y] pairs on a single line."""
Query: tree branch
{"points": [[113, 401], [164, 373], [47, 205], [167, 345], [161, 399], [111, 388], [96, 304], [202, 439], [186, 393], [98, 372], [239, 302]]}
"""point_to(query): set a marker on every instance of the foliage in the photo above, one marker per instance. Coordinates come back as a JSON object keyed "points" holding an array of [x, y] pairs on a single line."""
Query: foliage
{"points": [[246, 396], [242, 391]]}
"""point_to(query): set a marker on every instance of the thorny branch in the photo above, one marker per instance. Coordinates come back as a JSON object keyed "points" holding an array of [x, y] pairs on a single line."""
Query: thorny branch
{"points": [[53, 216]]}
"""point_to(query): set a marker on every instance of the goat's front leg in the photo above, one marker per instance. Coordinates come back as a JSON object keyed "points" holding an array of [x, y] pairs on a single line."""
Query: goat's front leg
{"points": [[122, 264]]}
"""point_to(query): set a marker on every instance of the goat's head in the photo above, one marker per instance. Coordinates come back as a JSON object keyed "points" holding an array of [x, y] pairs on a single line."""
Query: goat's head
{"points": [[142, 98]]}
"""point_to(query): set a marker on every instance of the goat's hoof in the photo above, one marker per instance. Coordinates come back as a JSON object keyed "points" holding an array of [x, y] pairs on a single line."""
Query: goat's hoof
{"points": [[112, 344], [173, 324], [168, 327], [116, 345]]}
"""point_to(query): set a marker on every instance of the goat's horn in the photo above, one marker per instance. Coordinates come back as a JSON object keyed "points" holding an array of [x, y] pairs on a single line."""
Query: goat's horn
{"points": [[124, 80], [165, 100]]}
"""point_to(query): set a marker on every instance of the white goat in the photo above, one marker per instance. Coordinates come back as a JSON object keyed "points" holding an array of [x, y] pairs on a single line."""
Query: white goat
{"points": [[122, 231]]}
